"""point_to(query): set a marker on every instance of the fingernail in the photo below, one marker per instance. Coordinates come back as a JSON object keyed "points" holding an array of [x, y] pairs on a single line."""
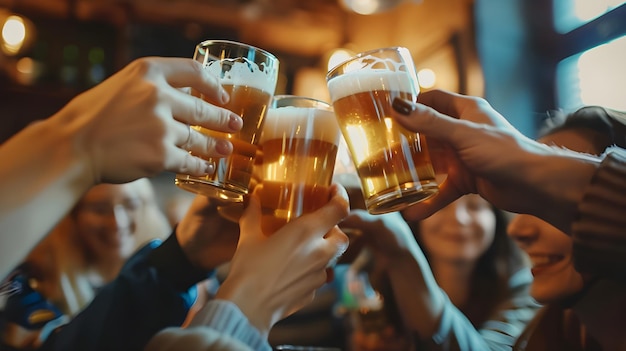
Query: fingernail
{"points": [[403, 106], [235, 123], [209, 167], [225, 97], [224, 147]]}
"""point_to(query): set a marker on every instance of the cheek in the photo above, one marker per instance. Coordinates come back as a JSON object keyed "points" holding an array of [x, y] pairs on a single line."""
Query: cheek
{"points": [[557, 287], [485, 232], [488, 236], [90, 224]]}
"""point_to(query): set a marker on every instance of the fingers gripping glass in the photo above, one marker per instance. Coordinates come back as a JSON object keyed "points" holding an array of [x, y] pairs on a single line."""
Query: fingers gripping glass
{"points": [[392, 162], [249, 75]]}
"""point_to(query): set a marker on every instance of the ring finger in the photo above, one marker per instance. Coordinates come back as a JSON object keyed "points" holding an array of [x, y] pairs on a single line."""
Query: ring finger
{"points": [[202, 145]]}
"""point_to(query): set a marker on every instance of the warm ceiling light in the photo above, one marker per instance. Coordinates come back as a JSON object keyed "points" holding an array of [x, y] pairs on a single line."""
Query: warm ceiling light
{"points": [[17, 33], [338, 56], [13, 34], [369, 7], [426, 78]]}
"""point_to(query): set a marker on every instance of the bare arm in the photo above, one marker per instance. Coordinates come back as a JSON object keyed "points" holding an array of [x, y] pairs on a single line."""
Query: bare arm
{"points": [[132, 125], [487, 156]]}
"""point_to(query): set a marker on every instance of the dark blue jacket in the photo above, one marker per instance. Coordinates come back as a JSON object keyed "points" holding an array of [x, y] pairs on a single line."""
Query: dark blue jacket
{"points": [[154, 290]]}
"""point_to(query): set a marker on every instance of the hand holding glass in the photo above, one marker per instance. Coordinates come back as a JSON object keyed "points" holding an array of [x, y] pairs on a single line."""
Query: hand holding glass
{"points": [[249, 75], [299, 144], [393, 163]]}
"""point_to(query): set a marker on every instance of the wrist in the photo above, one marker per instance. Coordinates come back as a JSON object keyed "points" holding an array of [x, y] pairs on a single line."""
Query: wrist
{"points": [[74, 140], [258, 313], [560, 180]]}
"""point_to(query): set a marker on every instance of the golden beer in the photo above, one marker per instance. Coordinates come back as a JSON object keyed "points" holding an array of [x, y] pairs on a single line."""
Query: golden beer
{"points": [[251, 86], [393, 163], [299, 152], [233, 173]]}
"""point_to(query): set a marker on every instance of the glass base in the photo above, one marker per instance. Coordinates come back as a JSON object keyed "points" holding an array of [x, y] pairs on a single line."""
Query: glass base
{"points": [[397, 199], [212, 190]]}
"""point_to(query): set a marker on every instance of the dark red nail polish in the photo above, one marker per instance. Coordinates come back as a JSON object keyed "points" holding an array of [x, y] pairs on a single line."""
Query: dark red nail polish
{"points": [[402, 106]]}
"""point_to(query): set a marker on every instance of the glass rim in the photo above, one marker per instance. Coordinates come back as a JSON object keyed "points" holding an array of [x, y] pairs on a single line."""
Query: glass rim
{"points": [[366, 53], [317, 102], [206, 43]]}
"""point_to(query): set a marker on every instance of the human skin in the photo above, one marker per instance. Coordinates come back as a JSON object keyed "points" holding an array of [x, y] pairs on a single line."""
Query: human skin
{"points": [[454, 238], [272, 277], [598, 303], [485, 155], [132, 125], [550, 249], [460, 232]]}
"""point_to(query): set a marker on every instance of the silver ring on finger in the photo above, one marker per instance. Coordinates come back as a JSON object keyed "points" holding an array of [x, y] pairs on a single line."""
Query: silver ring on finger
{"points": [[187, 143]]}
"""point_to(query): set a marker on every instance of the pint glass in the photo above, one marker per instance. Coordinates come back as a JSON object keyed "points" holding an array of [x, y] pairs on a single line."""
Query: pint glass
{"points": [[392, 162], [299, 144], [249, 75]]}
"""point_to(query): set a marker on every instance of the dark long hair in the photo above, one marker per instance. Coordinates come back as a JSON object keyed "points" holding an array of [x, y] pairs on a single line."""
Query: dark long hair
{"points": [[490, 283], [609, 125]]}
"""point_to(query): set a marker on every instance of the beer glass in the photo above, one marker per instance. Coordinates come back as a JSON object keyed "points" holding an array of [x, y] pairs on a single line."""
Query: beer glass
{"points": [[299, 145], [392, 162], [249, 75]]}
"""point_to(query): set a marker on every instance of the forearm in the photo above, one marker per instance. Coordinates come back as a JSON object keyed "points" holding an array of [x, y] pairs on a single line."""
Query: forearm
{"points": [[557, 184], [507, 320], [416, 291], [43, 178]]}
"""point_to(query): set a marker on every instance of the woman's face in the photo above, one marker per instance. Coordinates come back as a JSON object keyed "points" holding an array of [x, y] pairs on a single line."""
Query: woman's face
{"points": [[106, 219], [549, 249], [460, 232]]}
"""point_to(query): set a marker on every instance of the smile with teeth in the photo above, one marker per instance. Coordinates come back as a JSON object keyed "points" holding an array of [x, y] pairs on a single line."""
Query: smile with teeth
{"points": [[539, 261]]}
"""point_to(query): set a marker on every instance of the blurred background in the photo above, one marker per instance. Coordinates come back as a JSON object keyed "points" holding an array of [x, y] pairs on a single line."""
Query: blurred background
{"points": [[525, 56]]}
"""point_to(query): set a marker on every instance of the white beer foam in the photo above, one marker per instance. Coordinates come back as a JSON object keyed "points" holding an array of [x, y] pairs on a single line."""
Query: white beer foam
{"points": [[307, 122], [368, 80], [244, 72]]}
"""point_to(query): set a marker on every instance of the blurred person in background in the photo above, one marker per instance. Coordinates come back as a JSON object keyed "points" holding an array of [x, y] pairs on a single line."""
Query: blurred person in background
{"points": [[270, 278], [83, 253], [454, 280]]}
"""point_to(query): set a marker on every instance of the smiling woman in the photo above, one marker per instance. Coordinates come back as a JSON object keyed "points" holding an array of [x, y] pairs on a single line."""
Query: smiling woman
{"points": [[558, 282], [473, 260], [455, 279]]}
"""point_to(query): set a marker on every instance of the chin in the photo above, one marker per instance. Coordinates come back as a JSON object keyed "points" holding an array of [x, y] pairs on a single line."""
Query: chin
{"points": [[550, 295]]}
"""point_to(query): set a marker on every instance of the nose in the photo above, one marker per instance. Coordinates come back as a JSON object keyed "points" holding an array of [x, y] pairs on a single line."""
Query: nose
{"points": [[123, 219], [523, 230], [461, 214]]}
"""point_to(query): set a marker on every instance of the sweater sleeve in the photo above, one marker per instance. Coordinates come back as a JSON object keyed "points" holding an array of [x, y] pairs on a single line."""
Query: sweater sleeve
{"points": [[153, 291], [599, 232], [220, 325], [499, 332]]}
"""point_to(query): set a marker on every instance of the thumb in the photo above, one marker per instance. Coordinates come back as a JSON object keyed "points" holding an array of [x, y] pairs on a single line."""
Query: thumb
{"points": [[423, 119], [250, 221]]}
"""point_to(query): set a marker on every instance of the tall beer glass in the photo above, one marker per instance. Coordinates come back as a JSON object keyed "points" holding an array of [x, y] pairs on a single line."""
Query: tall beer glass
{"points": [[392, 162], [299, 143], [249, 75]]}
